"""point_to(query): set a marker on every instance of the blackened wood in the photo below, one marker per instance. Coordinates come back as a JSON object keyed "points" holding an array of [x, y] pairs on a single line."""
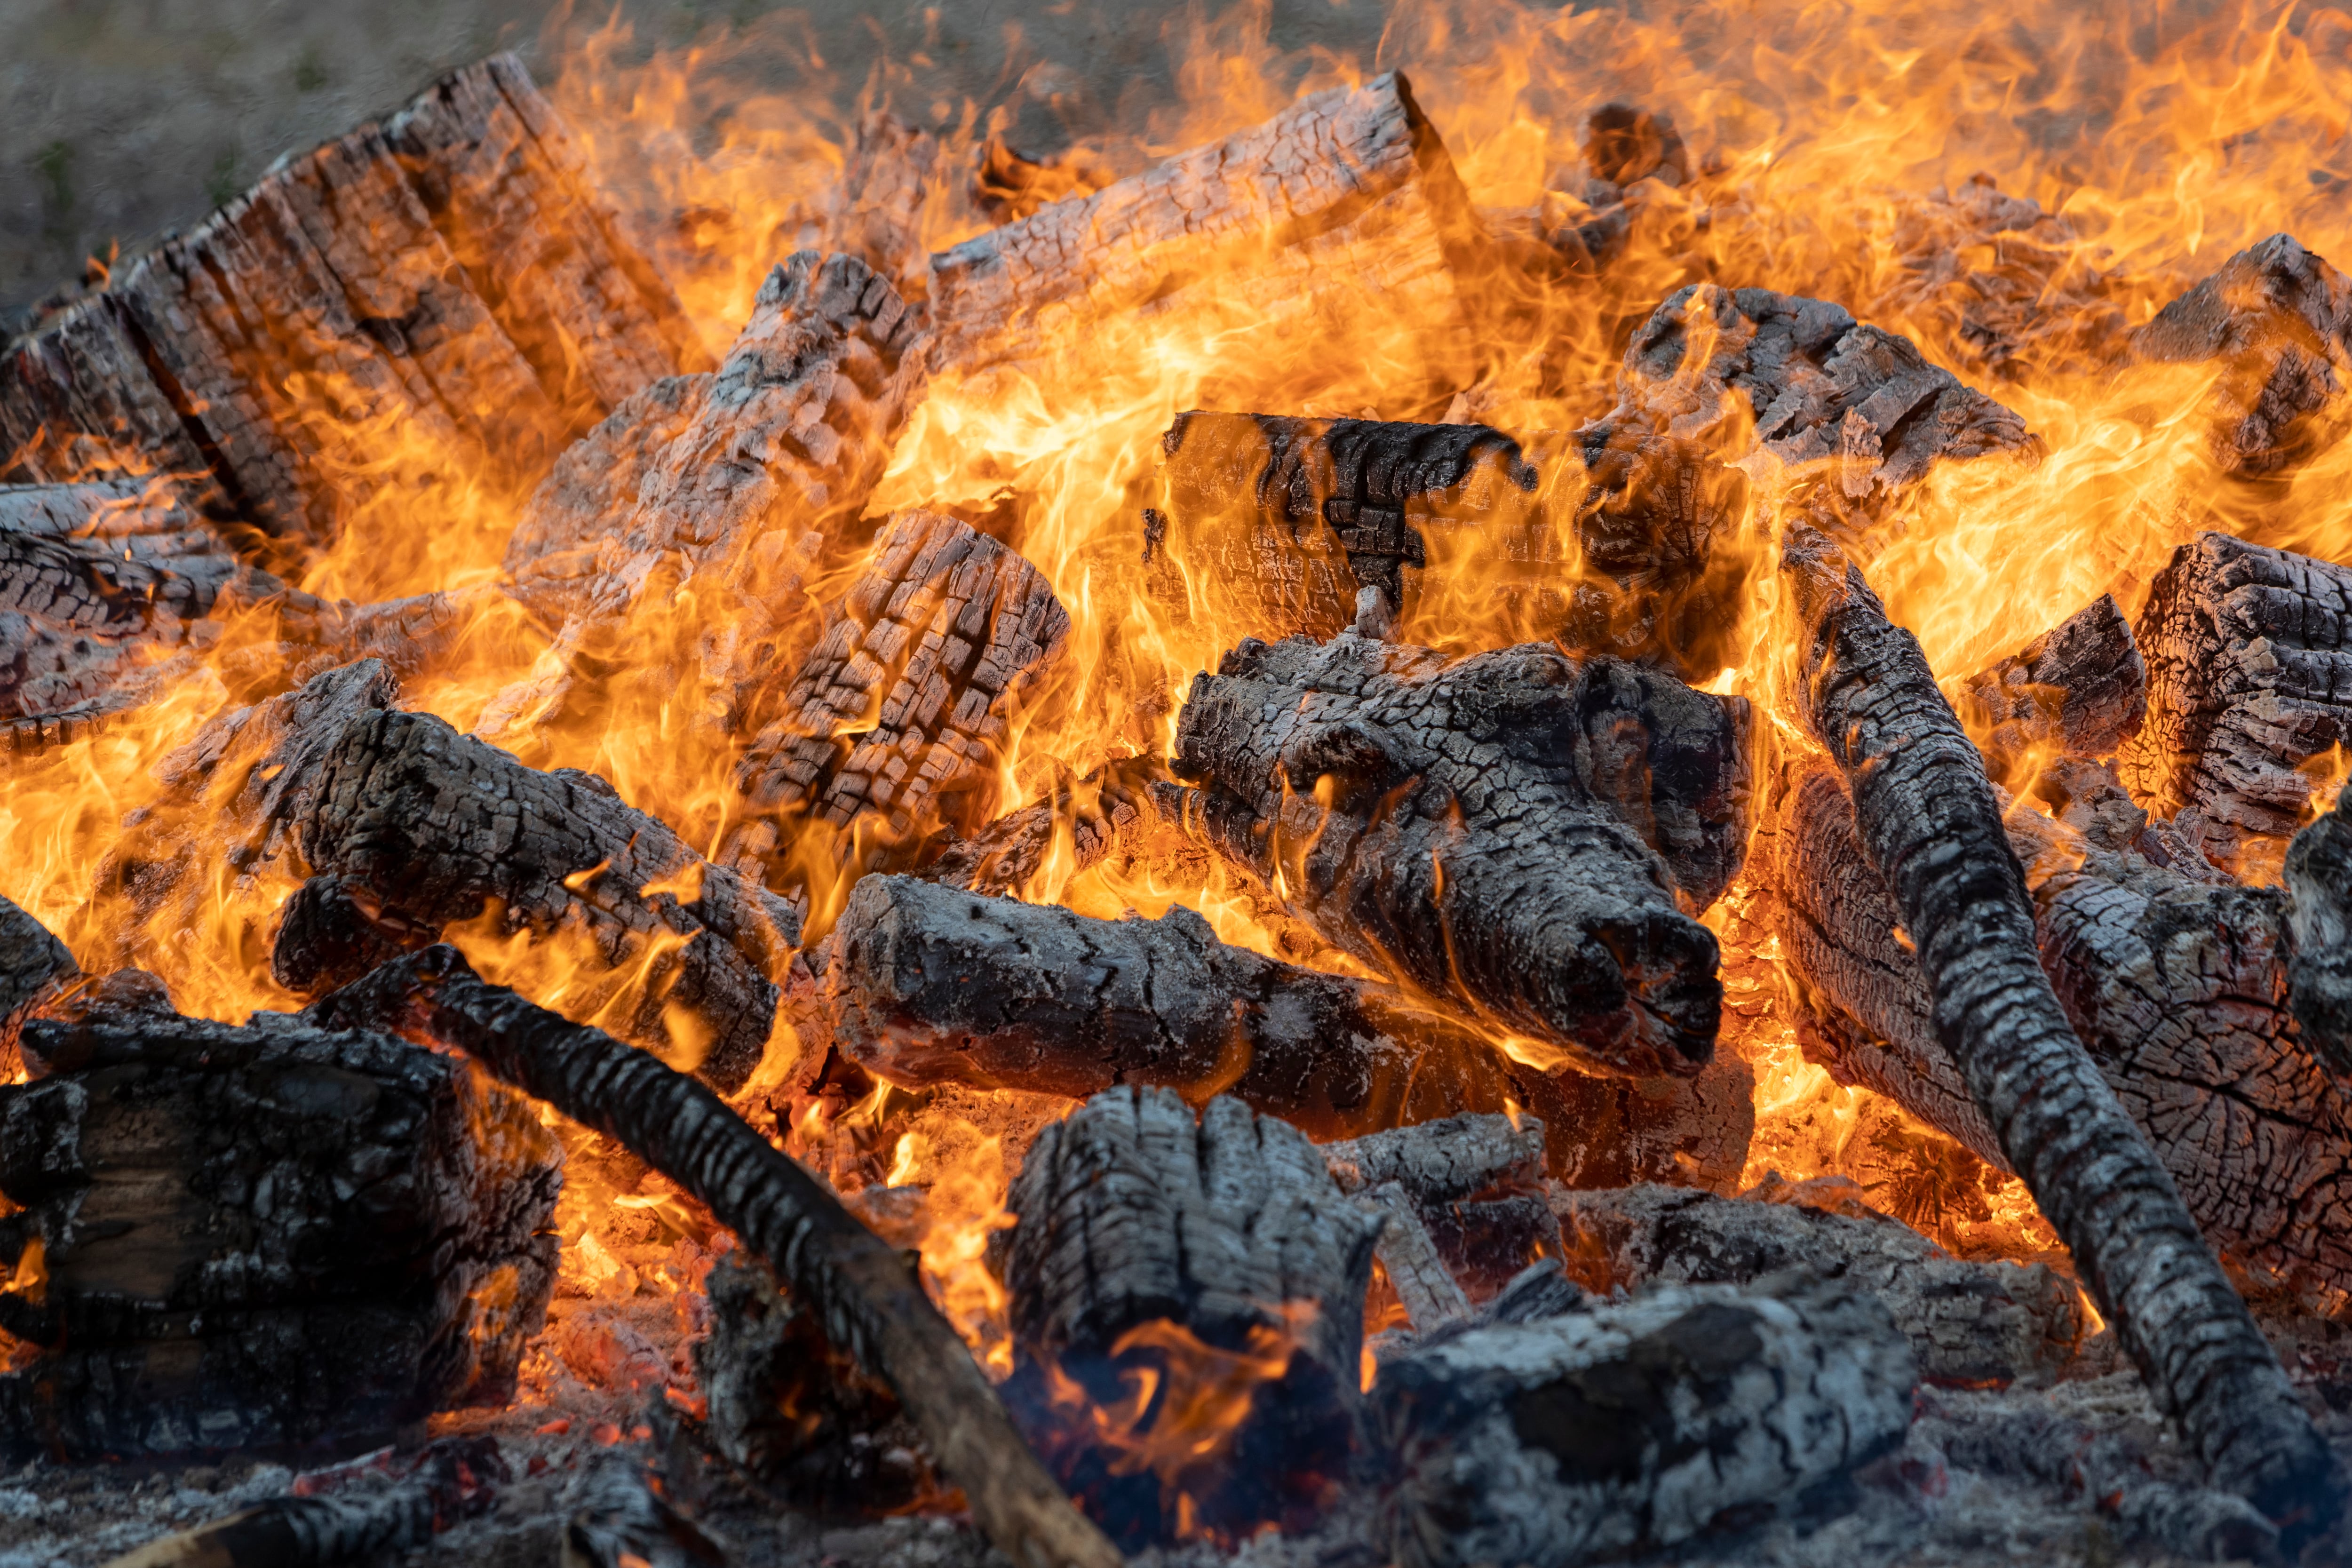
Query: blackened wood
{"points": [[2249, 655], [33, 964], [1429, 818], [1969, 1325], [1408, 1256], [1348, 185], [1821, 391], [1101, 810], [269, 1234], [1131, 1212], [1619, 1427], [868, 1299], [2275, 323], [2318, 881], [431, 825], [2080, 688], [902, 708], [1927, 820]]}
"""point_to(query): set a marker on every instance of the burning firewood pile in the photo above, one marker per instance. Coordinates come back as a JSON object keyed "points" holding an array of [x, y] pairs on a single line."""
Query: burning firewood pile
{"points": [[1172, 879]]}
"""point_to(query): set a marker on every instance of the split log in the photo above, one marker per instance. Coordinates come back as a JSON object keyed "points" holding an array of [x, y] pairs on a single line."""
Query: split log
{"points": [[269, 1235], [1217, 1250], [2079, 689], [1927, 820], [1818, 390], [33, 964], [869, 1300], [1346, 189], [1969, 1325], [452, 1480], [1426, 817], [1606, 538], [2275, 323], [2249, 654], [1619, 1428], [420, 826], [903, 706]]}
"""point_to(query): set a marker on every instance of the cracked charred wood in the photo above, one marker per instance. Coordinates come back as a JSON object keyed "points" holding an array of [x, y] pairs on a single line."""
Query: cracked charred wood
{"points": [[876, 210], [1969, 1325], [33, 965], [1822, 392], [1408, 1256], [453, 1478], [1103, 809], [1606, 538], [1927, 820], [412, 823], [932, 984], [1615, 1428], [1344, 189], [1214, 1249], [1428, 817], [1441, 1162], [901, 708], [869, 1301], [1607, 1132], [2276, 322], [2079, 689], [269, 1235], [2318, 881], [2249, 655], [794, 1413]]}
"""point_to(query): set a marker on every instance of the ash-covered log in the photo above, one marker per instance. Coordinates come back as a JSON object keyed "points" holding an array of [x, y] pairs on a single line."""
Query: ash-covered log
{"points": [[1210, 1250], [1926, 819], [902, 708], [1408, 1255], [1429, 817], [2079, 689], [270, 1234], [2275, 323], [1969, 1325], [417, 825], [1343, 189], [2249, 651], [1615, 1428], [870, 1303]]}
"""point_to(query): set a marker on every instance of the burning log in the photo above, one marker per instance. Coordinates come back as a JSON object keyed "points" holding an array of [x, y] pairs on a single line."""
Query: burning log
{"points": [[1427, 817], [2079, 689], [1927, 820], [2276, 323], [876, 213], [452, 1480], [1617, 1428], [901, 709], [870, 1303], [1408, 1256], [329, 1233], [33, 964], [411, 825], [1605, 538], [1342, 185], [1219, 1251], [1105, 809], [1817, 387], [1969, 1325], [2244, 646], [1475, 1187]]}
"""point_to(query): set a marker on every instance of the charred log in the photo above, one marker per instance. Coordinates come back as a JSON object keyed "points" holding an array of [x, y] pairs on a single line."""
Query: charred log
{"points": [[1927, 820], [1609, 1132], [861, 1290], [1143, 1234], [2247, 650], [1408, 1255], [1102, 810], [2319, 878], [2079, 689], [619, 1520], [33, 964], [1429, 819], [268, 1235], [430, 825], [1619, 1427], [1475, 1183], [1969, 1325], [876, 213]]}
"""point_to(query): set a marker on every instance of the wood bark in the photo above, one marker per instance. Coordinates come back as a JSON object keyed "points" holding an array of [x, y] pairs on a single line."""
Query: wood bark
{"points": [[869, 1301], [1927, 820], [1605, 538], [2249, 655], [1969, 1325], [1822, 392], [2276, 322], [430, 824], [2079, 689], [1343, 189], [902, 708], [269, 1234], [1428, 817], [1617, 1428], [1132, 1212]]}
